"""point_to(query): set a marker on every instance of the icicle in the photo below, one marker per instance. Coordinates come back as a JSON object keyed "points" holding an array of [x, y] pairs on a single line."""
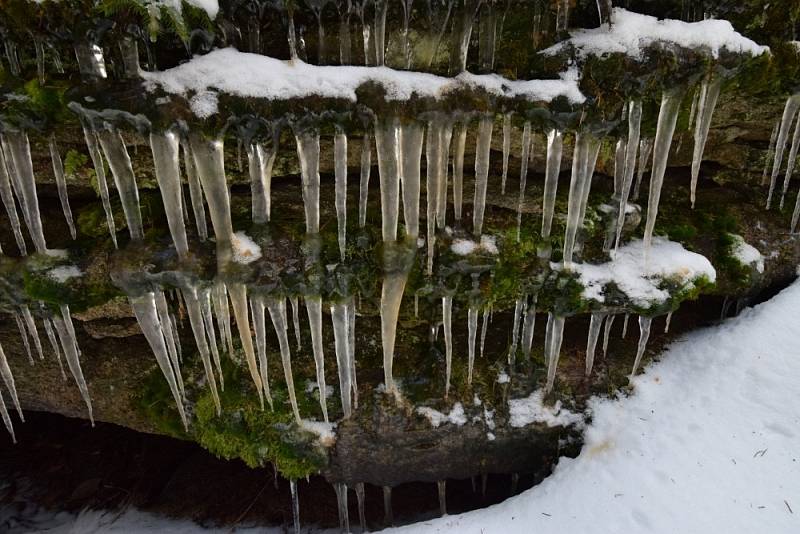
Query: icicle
{"points": [[607, 333], [445, 133], [210, 165], [554, 149], [169, 338], [257, 305], [488, 37], [238, 295], [7, 418], [222, 313], [381, 9], [341, 502], [463, 31], [667, 115], [314, 312], [484, 328], [165, 147], [204, 298], [562, 16], [411, 137], [707, 101], [529, 326], [90, 60], [340, 164], [308, 153], [18, 159], [458, 170], [394, 284], [120, 163], [351, 345], [339, 318], [553, 338], [61, 184], [260, 161], [194, 311], [669, 320], [362, 518], [482, 151], [388, 146], [102, 184], [388, 516], [51, 336], [195, 194], [295, 506], [512, 352], [144, 307], [789, 112], [644, 335], [472, 332], [32, 330], [24, 335], [523, 173], [8, 380], [447, 321], [404, 48], [11, 208], [634, 129], [344, 35], [792, 159], [294, 301], [366, 168], [441, 486], [507, 148], [12, 56], [277, 312], [645, 149], [576, 185], [769, 156], [594, 333], [693, 109], [437, 147], [69, 344], [625, 326]]}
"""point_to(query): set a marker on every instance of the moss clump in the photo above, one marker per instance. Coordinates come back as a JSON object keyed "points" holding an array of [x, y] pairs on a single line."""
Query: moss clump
{"points": [[255, 436]]}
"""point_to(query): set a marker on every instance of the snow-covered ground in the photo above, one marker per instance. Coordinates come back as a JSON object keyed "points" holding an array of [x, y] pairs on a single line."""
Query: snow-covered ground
{"points": [[708, 442]]}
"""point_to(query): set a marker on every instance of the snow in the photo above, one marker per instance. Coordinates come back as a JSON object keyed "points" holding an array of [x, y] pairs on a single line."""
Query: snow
{"points": [[465, 247], [707, 442], [437, 418], [632, 33], [252, 75], [211, 7], [245, 249], [746, 253], [503, 378], [64, 272], [532, 409], [324, 431], [640, 280]]}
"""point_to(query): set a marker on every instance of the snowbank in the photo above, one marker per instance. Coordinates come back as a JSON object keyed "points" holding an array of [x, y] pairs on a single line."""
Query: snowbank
{"points": [[252, 75], [640, 279], [708, 442], [631, 33]]}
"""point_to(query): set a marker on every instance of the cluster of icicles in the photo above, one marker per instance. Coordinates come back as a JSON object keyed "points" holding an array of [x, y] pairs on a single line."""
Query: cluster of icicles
{"points": [[399, 144]]}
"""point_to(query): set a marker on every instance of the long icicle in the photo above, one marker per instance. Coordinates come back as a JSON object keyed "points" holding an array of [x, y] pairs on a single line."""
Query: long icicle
{"points": [[195, 193], [260, 162], [308, 154], [8, 380], [69, 344], [169, 338], [387, 141], [553, 168], [238, 295], [458, 169], [482, 152], [51, 336], [61, 184], [644, 335], [18, 158], [341, 333], [411, 138], [6, 418], [507, 148], [769, 156], [340, 167], [667, 116], [257, 306], [447, 322], [366, 169], [197, 323], [707, 101], [277, 312], [472, 331], [523, 172], [789, 112], [634, 130], [165, 148], [122, 169], [555, 328], [208, 322], [529, 325], [7, 195], [23, 332], [595, 324], [102, 183], [314, 312], [32, 330], [576, 185], [790, 164]]}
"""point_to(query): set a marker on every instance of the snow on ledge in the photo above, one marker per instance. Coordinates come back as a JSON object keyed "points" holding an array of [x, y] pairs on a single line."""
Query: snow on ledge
{"points": [[531, 409], [252, 75], [631, 33], [746, 254], [640, 279], [437, 418], [325, 432]]}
